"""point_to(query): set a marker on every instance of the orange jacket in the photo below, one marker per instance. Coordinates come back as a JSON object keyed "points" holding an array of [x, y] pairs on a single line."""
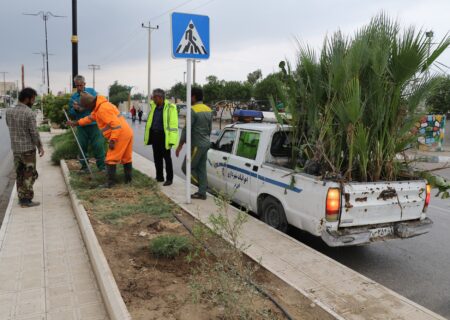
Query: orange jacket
{"points": [[109, 120]]}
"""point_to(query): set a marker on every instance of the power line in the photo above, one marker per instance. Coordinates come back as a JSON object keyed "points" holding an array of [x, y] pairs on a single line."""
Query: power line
{"points": [[170, 10]]}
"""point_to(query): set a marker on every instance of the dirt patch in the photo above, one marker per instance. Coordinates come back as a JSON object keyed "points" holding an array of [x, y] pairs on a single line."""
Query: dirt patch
{"points": [[161, 288]]}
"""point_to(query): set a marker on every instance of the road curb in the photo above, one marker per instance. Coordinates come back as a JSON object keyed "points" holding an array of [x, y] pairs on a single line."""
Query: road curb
{"points": [[5, 221], [112, 298]]}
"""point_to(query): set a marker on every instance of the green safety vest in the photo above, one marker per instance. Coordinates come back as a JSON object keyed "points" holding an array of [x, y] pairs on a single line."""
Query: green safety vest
{"points": [[170, 122]]}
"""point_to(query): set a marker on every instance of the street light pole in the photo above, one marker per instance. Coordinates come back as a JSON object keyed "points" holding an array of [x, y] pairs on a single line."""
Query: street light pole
{"points": [[74, 41], [45, 16], [93, 67], [150, 29]]}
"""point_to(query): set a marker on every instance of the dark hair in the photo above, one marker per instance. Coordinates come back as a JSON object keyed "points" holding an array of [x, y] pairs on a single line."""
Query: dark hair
{"points": [[197, 92], [160, 93], [27, 93]]}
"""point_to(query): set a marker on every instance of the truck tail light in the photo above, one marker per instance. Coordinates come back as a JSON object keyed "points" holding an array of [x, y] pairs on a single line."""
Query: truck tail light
{"points": [[333, 204], [427, 198]]}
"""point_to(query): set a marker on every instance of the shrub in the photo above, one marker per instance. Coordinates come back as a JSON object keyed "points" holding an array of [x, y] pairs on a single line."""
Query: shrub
{"points": [[53, 108], [64, 147], [169, 246]]}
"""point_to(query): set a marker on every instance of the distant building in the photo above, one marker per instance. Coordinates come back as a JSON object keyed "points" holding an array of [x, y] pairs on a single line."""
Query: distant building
{"points": [[6, 87]]}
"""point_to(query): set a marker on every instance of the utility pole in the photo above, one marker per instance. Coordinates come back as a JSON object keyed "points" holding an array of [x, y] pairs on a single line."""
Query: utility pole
{"points": [[45, 16], [93, 67], [74, 41], [184, 77], [150, 29], [23, 77], [43, 64]]}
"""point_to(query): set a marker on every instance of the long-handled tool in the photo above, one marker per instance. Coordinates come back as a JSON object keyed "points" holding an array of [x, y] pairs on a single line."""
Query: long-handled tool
{"points": [[79, 146]]}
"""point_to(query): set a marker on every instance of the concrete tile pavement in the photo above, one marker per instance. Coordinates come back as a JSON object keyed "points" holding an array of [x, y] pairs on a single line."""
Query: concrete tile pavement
{"points": [[341, 291], [45, 271]]}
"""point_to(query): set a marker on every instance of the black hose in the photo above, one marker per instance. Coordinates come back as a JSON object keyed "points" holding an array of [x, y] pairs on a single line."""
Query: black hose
{"points": [[249, 281]]}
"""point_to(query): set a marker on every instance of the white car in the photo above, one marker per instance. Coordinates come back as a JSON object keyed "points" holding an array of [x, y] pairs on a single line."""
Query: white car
{"points": [[250, 163]]}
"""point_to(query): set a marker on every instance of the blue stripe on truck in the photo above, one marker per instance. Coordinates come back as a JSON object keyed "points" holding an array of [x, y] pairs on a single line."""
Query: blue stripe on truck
{"points": [[260, 177]]}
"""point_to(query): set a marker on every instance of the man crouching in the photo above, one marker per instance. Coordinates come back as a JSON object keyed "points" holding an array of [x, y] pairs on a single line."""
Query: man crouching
{"points": [[115, 129]]}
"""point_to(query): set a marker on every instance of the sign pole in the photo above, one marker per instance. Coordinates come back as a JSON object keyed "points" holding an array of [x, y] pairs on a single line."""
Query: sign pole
{"points": [[188, 131]]}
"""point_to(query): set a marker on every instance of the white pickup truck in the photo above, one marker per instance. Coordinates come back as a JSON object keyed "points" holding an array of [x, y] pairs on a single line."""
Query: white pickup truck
{"points": [[249, 162]]}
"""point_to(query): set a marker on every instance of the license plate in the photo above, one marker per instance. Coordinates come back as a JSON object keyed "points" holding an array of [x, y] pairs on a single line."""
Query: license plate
{"points": [[381, 232]]}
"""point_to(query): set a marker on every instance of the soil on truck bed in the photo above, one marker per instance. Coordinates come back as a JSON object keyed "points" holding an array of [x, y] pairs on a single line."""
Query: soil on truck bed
{"points": [[155, 287]]}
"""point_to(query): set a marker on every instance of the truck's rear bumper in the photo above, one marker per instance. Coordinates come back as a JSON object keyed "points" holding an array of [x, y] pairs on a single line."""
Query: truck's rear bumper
{"points": [[360, 236]]}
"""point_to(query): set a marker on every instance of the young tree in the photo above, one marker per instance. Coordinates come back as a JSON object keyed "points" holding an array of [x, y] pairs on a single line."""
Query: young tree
{"points": [[438, 100]]}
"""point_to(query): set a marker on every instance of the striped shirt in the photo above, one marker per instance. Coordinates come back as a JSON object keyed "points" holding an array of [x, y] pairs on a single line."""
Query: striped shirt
{"points": [[23, 132]]}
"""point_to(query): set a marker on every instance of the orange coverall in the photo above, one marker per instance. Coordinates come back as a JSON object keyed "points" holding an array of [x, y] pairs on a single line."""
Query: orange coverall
{"points": [[114, 127]]}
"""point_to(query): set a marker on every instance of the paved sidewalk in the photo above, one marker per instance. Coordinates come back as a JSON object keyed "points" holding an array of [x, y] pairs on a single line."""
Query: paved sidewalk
{"points": [[45, 271], [341, 291]]}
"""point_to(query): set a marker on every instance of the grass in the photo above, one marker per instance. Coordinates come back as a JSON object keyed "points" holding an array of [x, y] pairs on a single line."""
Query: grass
{"points": [[64, 147], [44, 128], [112, 205], [169, 246]]}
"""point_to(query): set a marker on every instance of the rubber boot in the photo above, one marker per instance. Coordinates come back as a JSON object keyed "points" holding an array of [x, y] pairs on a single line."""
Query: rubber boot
{"points": [[128, 171], [111, 175]]}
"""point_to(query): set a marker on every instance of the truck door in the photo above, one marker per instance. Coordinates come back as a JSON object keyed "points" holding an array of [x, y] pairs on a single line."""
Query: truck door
{"points": [[218, 157], [242, 172]]}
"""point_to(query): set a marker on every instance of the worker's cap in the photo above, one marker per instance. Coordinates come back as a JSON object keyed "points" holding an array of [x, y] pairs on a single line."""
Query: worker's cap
{"points": [[86, 100]]}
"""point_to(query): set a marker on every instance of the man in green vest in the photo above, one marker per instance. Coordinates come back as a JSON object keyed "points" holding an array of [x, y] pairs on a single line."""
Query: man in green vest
{"points": [[201, 126], [161, 131]]}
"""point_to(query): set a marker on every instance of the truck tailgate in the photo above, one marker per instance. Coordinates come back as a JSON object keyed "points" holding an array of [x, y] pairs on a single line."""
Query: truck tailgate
{"points": [[381, 202]]}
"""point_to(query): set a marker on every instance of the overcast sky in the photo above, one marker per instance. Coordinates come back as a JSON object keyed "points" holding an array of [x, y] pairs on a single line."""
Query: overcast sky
{"points": [[245, 35]]}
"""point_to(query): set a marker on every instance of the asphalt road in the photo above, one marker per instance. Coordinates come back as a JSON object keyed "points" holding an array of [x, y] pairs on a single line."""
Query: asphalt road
{"points": [[416, 268], [6, 166]]}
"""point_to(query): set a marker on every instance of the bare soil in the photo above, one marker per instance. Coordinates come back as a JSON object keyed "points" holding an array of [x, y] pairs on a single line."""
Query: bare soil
{"points": [[159, 288]]}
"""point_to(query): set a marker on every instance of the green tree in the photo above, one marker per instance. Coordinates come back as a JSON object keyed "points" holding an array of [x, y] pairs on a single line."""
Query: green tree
{"points": [[178, 91], [213, 89], [118, 93], [438, 100], [268, 87], [138, 96], [254, 76], [235, 90], [53, 108]]}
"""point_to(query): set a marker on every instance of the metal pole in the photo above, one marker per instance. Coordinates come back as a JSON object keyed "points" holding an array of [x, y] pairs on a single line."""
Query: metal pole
{"points": [[74, 41], [93, 67], [78, 143], [45, 16], [149, 75], [193, 74], [188, 131]]}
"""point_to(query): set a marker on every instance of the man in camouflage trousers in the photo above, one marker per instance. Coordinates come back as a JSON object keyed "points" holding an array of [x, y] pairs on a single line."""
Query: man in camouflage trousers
{"points": [[24, 140]]}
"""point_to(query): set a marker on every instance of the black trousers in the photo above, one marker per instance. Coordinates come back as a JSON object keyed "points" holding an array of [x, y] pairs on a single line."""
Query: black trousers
{"points": [[160, 153]]}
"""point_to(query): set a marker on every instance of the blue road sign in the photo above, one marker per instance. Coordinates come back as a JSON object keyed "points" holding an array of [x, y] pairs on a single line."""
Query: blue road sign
{"points": [[190, 36]]}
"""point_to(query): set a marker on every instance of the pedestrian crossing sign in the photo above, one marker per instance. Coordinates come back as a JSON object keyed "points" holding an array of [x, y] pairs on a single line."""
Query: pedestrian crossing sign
{"points": [[190, 36]]}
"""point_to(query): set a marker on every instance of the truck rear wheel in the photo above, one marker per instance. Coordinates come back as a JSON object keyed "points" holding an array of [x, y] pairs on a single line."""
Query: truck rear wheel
{"points": [[273, 214]]}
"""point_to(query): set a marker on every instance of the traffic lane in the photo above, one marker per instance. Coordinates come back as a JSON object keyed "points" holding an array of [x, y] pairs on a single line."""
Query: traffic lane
{"points": [[415, 268], [6, 166]]}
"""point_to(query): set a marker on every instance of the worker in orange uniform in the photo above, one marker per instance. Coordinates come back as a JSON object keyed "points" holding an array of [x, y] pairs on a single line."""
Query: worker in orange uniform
{"points": [[115, 129]]}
